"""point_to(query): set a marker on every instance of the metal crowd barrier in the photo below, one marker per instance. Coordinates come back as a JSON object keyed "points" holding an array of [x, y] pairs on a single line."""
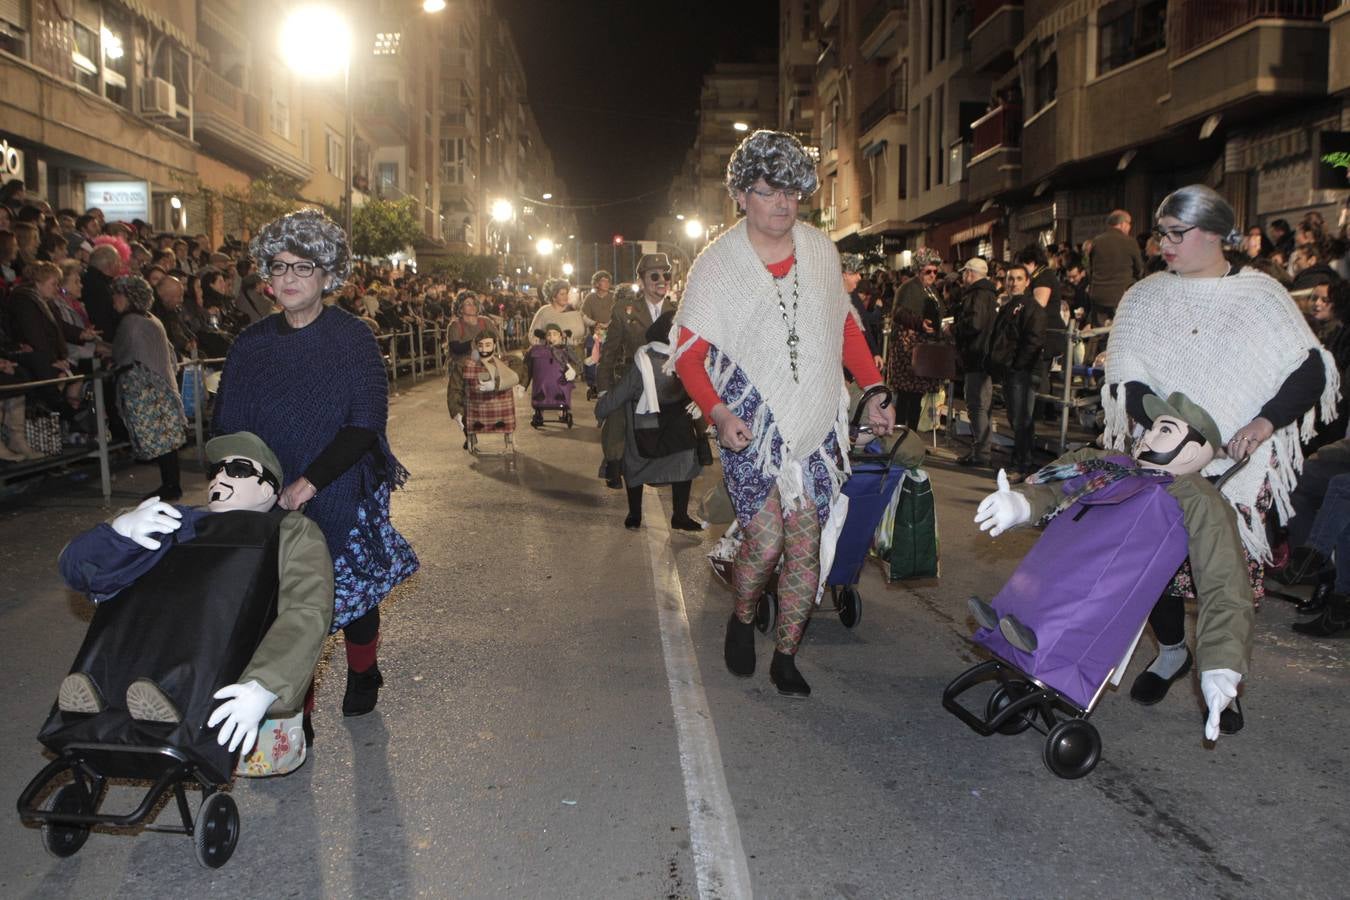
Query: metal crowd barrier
{"points": [[428, 354]]}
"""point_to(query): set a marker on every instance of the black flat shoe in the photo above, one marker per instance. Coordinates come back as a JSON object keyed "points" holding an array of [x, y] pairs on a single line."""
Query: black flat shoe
{"points": [[985, 616], [784, 675], [1149, 688], [632, 523], [739, 650], [363, 690], [1018, 634], [1305, 566], [686, 524], [970, 460]]}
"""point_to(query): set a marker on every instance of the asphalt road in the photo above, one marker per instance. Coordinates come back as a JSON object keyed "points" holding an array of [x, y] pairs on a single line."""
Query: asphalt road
{"points": [[557, 722]]}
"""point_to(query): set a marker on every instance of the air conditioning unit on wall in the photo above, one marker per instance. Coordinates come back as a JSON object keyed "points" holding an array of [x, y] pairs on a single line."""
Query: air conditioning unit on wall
{"points": [[159, 99]]}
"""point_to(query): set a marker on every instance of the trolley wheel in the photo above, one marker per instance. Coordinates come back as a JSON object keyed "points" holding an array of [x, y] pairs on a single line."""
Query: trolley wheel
{"points": [[62, 840], [1072, 748], [999, 700], [850, 606], [766, 612], [217, 830], [567, 417]]}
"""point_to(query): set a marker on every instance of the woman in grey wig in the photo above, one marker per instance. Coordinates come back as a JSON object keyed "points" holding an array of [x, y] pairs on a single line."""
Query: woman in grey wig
{"points": [[764, 335], [310, 382]]}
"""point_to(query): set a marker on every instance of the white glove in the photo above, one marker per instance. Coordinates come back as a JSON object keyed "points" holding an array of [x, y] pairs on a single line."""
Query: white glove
{"points": [[570, 374], [520, 390], [1003, 509], [153, 516], [242, 712], [1219, 687]]}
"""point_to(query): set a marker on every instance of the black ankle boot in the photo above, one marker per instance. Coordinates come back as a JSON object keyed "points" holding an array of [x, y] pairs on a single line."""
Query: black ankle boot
{"points": [[363, 689], [784, 675], [1317, 600], [1333, 622], [740, 647]]}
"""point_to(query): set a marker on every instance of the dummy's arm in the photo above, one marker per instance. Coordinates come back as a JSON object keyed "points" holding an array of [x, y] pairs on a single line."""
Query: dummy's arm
{"points": [[284, 661], [1223, 635], [107, 558], [1045, 497]]}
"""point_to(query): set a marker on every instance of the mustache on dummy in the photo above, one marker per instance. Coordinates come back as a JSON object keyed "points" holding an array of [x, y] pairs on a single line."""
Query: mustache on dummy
{"points": [[218, 494]]}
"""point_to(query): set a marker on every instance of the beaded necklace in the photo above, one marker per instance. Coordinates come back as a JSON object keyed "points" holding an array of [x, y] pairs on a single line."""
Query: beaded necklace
{"points": [[792, 339]]}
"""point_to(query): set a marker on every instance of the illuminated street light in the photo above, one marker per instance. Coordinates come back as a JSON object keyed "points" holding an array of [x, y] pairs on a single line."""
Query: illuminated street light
{"points": [[175, 203], [548, 196], [433, 6], [502, 210], [679, 216], [741, 126], [568, 269], [316, 40], [544, 246], [694, 229]]}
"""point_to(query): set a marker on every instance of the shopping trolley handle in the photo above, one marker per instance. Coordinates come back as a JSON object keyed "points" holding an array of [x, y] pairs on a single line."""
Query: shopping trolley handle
{"points": [[855, 421]]}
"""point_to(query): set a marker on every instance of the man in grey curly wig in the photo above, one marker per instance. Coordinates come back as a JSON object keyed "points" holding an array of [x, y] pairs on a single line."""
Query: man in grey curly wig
{"points": [[310, 235], [776, 157]]}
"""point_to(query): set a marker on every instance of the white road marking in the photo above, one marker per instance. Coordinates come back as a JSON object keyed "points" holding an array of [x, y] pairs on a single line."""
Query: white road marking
{"points": [[714, 833]]}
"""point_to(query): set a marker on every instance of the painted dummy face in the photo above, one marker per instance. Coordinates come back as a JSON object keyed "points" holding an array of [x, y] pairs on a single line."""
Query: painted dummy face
{"points": [[553, 336], [243, 490], [1165, 447], [487, 347]]}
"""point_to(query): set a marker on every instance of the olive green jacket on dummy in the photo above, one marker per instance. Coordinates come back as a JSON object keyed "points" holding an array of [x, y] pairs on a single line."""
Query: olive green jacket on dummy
{"points": [[284, 661], [1223, 637], [628, 324]]}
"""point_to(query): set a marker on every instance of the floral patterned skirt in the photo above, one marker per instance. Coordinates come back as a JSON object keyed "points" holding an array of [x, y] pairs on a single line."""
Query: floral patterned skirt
{"points": [[152, 412], [747, 485], [376, 559]]}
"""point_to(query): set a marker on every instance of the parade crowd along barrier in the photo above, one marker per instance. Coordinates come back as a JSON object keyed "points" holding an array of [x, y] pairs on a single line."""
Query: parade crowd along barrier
{"points": [[415, 352]]}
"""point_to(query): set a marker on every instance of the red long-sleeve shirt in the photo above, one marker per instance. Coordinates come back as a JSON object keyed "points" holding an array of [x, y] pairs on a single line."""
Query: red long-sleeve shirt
{"points": [[691, 367]]}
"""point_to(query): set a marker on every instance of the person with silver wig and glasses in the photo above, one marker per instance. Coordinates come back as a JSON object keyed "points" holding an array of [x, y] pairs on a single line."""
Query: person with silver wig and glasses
{"points": [[1233, 341], [310, 382], [764, 335]]}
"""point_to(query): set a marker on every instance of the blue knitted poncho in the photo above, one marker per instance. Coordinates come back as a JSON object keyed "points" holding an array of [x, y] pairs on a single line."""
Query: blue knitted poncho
{"points": [[295, 389]]}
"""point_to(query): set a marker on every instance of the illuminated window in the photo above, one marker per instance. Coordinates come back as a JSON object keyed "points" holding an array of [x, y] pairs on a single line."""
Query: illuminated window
{"points": [[387, 43]]}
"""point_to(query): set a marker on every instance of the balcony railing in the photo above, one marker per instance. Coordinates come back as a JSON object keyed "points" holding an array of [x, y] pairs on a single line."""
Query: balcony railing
{"points": [[892, 99], [1194, 23], [874, 16], [1000, 127], [983, 10]]}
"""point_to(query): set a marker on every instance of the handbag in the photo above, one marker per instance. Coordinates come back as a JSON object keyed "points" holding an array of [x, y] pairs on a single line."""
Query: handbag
{"points": [[914, 543], [280, 749], [934, 360]]}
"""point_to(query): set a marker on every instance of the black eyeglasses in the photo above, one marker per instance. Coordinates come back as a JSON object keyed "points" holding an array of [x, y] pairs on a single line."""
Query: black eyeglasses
{"points": [[659, 276], [243, 468], [303, 269], [1172, 235], [776, 194]]}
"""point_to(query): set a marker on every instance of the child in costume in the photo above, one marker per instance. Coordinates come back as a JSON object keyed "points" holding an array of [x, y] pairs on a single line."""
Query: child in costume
{"points": [[1182, 441]]}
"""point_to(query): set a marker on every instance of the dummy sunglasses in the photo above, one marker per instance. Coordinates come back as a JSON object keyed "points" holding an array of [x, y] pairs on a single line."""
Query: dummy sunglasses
{"points": [[659, 276], [243, 468]]}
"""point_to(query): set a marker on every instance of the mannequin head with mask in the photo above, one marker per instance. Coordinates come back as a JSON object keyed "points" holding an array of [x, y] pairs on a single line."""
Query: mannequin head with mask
{"points": [[1183, 438], [244, 473]]}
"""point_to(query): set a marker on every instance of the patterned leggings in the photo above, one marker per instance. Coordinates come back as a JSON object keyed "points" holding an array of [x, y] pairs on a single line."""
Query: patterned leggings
{"points": [[796, 538]]}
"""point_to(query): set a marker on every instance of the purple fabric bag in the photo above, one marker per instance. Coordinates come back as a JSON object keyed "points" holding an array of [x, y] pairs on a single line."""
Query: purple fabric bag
{"points": [[1089, 584]]}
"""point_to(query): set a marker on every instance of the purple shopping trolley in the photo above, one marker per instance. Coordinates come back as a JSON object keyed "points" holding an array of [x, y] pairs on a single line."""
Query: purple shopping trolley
{"points": [[1085, 589]]}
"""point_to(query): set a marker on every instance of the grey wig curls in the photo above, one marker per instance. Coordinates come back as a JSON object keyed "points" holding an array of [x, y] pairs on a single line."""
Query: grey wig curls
{"points": [[137, 291], [552, 286], [309, 234], [776, 157], [1203, 207]]}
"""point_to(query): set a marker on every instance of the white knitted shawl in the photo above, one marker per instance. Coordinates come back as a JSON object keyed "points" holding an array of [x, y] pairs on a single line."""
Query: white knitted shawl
{"points": [[1228, 344], [730, 301]]}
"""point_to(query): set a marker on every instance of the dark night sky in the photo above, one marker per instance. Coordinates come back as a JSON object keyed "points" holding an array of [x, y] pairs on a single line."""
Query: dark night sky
{"points": [[615, 86]]}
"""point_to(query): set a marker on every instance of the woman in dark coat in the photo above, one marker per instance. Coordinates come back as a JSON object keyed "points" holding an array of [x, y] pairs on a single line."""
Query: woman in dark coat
{"points": [[659, 436], [916, 318]]}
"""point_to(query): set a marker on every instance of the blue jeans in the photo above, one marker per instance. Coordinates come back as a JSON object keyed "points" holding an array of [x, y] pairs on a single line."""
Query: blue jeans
{"points": [[1330, 533], [1019, 396]]}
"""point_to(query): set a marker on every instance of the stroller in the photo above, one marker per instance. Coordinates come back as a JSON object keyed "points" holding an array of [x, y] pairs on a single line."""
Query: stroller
{"points": [[550, 372], [1086, 589], [875, 479]]}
